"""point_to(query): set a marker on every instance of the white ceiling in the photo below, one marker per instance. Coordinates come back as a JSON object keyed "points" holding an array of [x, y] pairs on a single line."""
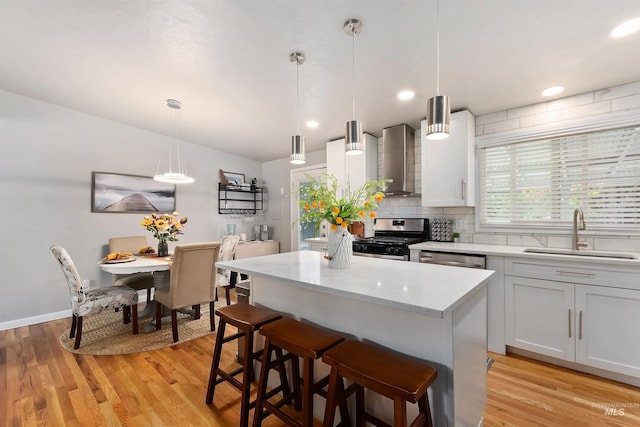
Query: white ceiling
{"points": [[228, 61]]}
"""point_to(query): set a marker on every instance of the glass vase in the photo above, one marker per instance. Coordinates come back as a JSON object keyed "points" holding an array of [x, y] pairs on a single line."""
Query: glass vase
{"points": [[163, 248]]}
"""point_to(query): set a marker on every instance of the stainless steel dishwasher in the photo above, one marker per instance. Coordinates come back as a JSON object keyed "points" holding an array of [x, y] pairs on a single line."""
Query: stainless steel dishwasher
{"points": [[456, 260], [453, 259]]}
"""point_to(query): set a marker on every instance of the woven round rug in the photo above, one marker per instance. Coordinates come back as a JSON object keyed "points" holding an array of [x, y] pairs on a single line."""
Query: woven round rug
{"points": [[105, 334]]}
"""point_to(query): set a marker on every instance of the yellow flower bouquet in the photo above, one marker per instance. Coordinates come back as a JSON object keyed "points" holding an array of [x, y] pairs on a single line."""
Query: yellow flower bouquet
{"points": [[164, 227], [321, 201]]}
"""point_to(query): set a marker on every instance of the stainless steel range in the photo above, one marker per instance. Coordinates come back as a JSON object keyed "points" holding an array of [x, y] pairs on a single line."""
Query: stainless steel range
{"points": [[392, 238]]}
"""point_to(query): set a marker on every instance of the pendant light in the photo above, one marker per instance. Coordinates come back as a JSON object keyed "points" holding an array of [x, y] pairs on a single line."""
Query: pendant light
{"points": [[353, 143], [175, 171], [297, 141], [438, 107]]}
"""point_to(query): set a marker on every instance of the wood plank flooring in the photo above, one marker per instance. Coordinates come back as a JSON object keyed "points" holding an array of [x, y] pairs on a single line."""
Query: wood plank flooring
{"points": [[43, 384]]}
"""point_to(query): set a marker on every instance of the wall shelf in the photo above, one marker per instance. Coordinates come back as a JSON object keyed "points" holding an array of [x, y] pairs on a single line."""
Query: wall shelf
{"points": [[239, 200]]}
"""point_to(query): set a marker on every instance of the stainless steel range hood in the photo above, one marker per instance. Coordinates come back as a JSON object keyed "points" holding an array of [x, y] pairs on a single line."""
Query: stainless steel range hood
{"points": [[398, 160]]}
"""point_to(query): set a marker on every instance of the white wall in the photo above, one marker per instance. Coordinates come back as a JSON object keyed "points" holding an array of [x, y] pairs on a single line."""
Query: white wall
{"points": [[48, 154]]}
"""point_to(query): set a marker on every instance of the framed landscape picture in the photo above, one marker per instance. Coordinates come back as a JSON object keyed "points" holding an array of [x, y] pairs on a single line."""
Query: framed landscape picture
{"points": [[234, 178], [120, 193]]}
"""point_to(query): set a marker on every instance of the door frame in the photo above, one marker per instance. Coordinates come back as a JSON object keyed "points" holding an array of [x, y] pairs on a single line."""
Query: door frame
{"points": [[295, 176]]}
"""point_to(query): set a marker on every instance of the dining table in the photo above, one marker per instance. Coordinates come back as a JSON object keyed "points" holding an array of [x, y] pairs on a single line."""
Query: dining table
{"points": [[159, 266]]}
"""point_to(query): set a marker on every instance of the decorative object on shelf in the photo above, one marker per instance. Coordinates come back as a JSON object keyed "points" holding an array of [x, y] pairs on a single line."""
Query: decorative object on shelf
{"points": [[320, 202], [439, 106], [223, 178], [164, 227], [176, 173], [353, 143], [233, 178], [119, 193], [297, 141], [254, 184]]}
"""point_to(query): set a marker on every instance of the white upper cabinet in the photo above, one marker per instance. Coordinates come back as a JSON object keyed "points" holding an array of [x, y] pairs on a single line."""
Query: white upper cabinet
{"points": [[448, 165], [353, 169]]}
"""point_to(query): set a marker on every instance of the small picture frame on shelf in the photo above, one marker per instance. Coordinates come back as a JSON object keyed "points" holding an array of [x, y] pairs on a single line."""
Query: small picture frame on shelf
{"points": [[234, 178]]}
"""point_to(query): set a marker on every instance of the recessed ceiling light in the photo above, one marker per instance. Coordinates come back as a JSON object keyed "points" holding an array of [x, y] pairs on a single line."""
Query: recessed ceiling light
{"points": [[406, 95], [626, 28], [312, 124], [552, 91]]}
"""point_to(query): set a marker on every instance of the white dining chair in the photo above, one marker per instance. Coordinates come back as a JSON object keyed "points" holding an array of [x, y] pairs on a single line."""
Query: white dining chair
{"points": [[94, 301]]}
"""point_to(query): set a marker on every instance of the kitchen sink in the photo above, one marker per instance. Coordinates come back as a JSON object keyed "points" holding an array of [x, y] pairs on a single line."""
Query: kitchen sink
{"points": [[616, 255]]}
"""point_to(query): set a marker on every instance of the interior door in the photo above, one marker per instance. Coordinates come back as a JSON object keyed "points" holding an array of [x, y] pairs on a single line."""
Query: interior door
{"points": [[301, 177]]}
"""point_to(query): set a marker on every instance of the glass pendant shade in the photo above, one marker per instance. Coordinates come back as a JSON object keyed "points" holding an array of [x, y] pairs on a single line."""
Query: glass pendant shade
{"points": [[438, 117], [297, 150], [353, 143]]}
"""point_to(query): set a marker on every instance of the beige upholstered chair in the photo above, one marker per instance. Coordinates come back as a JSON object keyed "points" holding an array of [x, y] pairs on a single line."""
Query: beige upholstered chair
{"points": [[137, 281], [94, 301], [192, 280], [227, 252]]}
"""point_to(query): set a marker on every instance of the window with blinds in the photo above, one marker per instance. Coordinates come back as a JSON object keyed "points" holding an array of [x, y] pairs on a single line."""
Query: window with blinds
{"points": [[538, 184]]}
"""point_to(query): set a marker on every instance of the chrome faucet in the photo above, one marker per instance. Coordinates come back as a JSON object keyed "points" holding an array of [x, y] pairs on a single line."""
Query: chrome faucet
{"points": [[578, 224]]}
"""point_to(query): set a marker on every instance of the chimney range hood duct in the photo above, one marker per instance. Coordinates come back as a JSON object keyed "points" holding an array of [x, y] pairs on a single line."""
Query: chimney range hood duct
{"points": [[398, 160]]}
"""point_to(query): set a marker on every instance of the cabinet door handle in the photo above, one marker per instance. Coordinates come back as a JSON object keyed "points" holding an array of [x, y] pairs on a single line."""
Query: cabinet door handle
{"points": [[574, 273], [580, 326], [569, 323], [462, 188]]}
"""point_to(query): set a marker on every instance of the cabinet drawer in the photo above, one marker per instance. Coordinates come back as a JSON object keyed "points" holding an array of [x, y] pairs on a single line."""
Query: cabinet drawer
{"points": [[574, 272]]}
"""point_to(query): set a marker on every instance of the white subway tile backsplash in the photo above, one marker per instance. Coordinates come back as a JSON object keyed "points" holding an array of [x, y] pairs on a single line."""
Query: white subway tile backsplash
{"points": [[501, 126], [479, 130], [616, 244], [626, 103], [586, 110], [560, 242], [528, 110], [490, 239], [617, 92], [491, 118], [541, 119], [526, 240], [571, 101]]}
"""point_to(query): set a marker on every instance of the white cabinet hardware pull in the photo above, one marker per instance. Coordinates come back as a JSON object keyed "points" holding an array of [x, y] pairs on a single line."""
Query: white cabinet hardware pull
{"points": [[462, 188], [580, 327], [569, 323], [574, 273]]}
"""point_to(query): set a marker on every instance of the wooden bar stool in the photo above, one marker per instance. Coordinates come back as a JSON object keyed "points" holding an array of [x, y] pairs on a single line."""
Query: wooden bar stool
{"points": [[299, 340], [399, 378], [247, 319]]}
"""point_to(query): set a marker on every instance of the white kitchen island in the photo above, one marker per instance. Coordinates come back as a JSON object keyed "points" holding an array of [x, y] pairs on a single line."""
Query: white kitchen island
{"points": [[432, 312]]}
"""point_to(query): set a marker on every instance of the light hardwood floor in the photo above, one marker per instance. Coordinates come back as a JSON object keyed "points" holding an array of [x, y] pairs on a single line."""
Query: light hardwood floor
{"points": [[43, 384]]}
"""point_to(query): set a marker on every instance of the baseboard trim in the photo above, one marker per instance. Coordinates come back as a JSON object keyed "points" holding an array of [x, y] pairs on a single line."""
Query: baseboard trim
{"points": [[41, 318], [11, 324]]}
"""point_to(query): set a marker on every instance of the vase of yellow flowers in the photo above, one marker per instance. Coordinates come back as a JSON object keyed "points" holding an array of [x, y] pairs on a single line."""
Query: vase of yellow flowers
{"points": [[322, 200], [164, 227]]}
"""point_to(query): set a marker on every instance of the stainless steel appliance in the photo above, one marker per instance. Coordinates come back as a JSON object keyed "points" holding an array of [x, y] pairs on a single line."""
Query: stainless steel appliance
{"points": [[392, 238], [398, 160], [453, 259]]}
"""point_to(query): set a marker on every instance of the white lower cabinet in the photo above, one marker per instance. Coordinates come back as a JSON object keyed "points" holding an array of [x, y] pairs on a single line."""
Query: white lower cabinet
{"points": [[596, 326], [539, 315], [607, 325]]}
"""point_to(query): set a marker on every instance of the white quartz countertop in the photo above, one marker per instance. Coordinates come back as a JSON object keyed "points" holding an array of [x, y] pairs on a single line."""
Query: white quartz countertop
{"points": [[519, 251], [422, 288]]}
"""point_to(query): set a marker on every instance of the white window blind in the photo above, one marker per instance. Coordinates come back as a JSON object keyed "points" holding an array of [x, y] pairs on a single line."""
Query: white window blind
{"points": [[539, 183]]}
